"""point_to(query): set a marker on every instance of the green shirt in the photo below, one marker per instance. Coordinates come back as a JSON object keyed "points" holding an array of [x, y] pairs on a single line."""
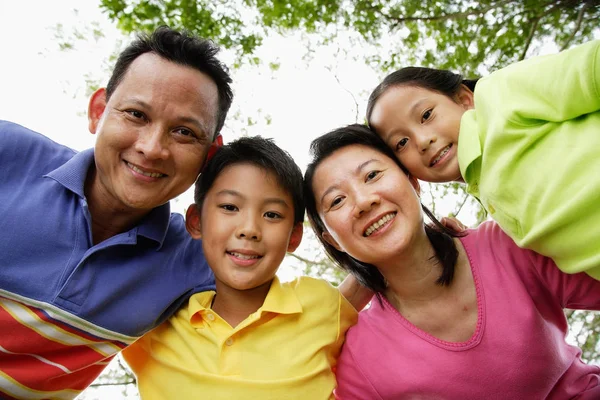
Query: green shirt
{"points": [[530, 151]]}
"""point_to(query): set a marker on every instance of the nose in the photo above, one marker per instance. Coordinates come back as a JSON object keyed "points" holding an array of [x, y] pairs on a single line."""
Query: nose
{"points": [[153, 143], [365, 203], [249, 230], [425, 140]]}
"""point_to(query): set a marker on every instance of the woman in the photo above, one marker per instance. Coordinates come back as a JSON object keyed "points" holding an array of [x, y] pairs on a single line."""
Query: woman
{"points": [[467, 317]]}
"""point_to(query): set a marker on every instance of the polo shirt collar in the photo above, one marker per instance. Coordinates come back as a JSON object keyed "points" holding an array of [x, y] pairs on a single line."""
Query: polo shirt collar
{"points": [[469, 145], [72, 175], [280, 299]]}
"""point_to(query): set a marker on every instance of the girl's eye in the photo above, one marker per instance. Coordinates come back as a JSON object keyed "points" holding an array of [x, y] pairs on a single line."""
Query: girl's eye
{"points": [[228, 207], [372, 175], [401, 143], [426, 115], [335, 202], [272, 215]]}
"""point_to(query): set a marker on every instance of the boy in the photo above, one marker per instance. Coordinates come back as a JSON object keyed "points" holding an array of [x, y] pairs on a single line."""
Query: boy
{"points": [[256, 338]]}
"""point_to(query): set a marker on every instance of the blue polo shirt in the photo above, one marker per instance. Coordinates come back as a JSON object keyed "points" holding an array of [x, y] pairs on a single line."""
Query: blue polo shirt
{"points": [[60, 291]]}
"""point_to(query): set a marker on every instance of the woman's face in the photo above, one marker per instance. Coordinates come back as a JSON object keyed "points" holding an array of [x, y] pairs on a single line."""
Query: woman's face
{"points": [[422, 127], [369, 206]]}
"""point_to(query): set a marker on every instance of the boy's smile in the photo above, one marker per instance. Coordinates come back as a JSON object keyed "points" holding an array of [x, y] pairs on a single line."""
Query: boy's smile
{"points": [[246, 223]]}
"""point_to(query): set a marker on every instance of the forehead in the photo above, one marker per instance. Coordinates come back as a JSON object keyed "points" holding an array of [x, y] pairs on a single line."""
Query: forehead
{"points": [[170, 88], [251, 181], [345, 164]]}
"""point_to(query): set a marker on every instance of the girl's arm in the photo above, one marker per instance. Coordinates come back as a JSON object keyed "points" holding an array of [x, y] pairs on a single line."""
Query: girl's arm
{"points": [[556, 87]]}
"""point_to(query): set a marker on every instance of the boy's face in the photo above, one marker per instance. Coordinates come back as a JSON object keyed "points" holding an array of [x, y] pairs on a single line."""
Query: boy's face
{"points": [[246, 225]]}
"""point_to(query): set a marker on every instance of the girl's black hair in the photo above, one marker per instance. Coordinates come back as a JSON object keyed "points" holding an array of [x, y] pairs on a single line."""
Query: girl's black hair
{"points": [[439, 80], [367, 274]]}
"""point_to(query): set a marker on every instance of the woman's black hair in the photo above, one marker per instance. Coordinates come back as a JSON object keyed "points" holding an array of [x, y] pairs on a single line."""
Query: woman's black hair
{"points": [[367, 274], [439, 80]]}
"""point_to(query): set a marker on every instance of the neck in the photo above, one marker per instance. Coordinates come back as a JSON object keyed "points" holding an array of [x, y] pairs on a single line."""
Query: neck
{"points": [[234, 305], [108, 219], [412, 275]]}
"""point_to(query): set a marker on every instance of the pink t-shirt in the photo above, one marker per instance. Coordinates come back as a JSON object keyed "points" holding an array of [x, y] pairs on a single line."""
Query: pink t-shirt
{"points": [[518, 350]]}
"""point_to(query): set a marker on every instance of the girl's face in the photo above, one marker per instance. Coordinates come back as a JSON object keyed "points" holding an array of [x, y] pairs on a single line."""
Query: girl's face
{"points": [[369, 206], [422, 126]]}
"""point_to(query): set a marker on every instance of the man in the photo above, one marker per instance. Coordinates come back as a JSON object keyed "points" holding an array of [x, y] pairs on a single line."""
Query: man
{"points": [[90, 256]]}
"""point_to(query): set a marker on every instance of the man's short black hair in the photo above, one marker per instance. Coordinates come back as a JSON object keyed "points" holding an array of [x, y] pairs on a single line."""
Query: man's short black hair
{"points": [[181, 48], [263, 153]]}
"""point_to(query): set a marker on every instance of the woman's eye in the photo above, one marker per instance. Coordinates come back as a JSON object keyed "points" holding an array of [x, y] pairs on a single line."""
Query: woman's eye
{"points": [[401, 143], [372, 175], [272, 215], [426, 115]]}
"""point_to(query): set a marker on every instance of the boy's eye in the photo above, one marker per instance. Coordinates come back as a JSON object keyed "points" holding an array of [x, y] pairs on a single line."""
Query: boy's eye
{"points": [[401, 143], [228, 207], [272, 215], [426, 115]]}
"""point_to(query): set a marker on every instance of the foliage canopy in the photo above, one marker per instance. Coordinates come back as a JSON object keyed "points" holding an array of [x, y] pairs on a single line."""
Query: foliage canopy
{"points": [[455, 34]]}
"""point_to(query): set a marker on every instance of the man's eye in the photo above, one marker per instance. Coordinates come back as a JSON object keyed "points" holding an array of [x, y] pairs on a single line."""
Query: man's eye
{"points": [[401, 143], [184, 132], [426, 115], [136, 114]]}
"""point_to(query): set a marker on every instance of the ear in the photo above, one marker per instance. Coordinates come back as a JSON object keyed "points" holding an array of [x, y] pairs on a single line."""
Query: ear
{"points": [[96, 108], [193, 223], [214, 146], [415, 184], [295, 237], [465, 97], [329, 239]]}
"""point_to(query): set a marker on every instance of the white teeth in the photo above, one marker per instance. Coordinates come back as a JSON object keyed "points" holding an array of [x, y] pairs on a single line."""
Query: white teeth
{"points": [[243, 256], [447, 149], [149, 174], [379, 224]]}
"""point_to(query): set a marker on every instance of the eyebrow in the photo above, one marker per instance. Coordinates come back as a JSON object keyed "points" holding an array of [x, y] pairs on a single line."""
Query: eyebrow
{"points": [[268, 200], [357, 171]]}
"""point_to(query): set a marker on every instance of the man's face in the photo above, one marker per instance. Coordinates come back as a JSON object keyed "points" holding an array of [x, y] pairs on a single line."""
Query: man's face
{"points": [[153, 133]]}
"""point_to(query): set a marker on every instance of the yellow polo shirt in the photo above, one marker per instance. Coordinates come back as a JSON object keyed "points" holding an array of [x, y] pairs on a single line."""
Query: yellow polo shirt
{"points": [[287, 349], [530, 152]]}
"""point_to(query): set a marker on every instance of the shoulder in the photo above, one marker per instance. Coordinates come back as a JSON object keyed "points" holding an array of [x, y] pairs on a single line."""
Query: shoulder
{"points": [[19, 145], [308, 288]]}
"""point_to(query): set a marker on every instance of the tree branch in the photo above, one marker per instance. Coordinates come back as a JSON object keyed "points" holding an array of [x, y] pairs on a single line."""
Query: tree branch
{"points": [[577, 25], [461, 204], [530, 37], [309, 262], [456, 15]]}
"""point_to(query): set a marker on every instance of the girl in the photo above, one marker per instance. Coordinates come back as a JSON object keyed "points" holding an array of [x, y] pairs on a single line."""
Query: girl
{"points": [[474, 317], [525, 139]]}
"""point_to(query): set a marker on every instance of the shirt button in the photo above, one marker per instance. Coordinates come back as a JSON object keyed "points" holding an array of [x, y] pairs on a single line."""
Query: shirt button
{"points": [[211, 317], [491, 208], [229, 342]]}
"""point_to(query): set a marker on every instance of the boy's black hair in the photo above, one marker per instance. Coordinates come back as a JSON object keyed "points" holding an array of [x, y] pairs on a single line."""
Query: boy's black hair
{"points": [[367, 274], [181, 48], [263, 153]]}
